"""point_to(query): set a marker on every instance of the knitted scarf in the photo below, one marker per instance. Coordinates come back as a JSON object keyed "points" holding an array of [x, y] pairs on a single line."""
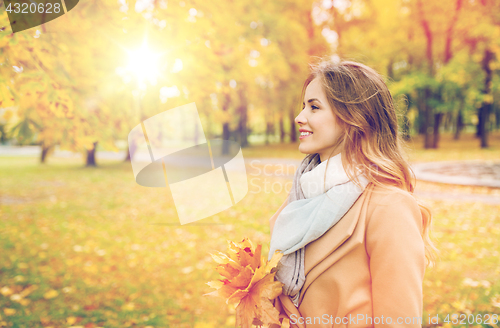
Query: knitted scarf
{"points": [[314, 206]]}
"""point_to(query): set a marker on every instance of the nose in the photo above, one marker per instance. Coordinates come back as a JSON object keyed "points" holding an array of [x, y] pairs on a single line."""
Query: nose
{"points": [[301, 118]]}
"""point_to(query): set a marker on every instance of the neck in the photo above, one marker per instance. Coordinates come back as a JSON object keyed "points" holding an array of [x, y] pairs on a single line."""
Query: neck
{"points": [[323, 157]]}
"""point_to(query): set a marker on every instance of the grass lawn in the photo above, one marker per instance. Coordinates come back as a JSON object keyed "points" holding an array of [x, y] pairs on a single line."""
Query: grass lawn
{"points": [[88, 247]]}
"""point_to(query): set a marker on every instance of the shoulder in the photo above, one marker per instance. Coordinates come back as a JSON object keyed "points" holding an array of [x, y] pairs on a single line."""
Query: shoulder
{"points": [[386, 196], [391, 206]]}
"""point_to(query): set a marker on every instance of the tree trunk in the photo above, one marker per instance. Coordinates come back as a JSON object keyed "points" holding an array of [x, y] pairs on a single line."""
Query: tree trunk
{"points": [[486, 106], [235, 135], [91, 156], [390, 71], [421, 112], [3, 134], [479, 124], [282, 129], [45, 152], [420, 122], [243, 119], [226, 134], [430, 62], [428, 36], [437, 119], [269, 131], [459, 124], [127, 157], [448, 54], [131, 149], [437, 122], [448, 123], [497, 117], [427, 119], [293, 127], [485, 113], [410, 54], [406, 122], [242, 128]]}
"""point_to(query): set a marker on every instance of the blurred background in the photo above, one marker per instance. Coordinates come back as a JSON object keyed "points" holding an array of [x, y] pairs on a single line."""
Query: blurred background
{"points": [[82, 245]]}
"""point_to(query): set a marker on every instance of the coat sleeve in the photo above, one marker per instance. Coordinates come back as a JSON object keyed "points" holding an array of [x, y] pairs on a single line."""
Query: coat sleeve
{"points": [[396, 255]]}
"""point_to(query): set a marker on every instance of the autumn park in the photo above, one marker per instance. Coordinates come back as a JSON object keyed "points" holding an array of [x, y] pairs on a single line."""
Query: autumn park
{"points": [[83, 245]]}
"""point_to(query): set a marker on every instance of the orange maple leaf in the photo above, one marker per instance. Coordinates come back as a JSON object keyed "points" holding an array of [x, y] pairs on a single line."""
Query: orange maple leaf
{"points": [[249, 282], [256, 307]]}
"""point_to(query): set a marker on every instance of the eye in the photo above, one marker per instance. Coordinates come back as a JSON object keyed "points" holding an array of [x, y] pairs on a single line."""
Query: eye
{"points": [[313, 107]]}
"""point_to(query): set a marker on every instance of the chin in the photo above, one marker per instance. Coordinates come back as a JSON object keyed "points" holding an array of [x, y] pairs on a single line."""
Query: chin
{"points": [[305, 150]]}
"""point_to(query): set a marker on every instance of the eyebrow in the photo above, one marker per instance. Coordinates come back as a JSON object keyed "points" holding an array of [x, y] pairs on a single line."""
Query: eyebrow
{"points": [[311, 100]]}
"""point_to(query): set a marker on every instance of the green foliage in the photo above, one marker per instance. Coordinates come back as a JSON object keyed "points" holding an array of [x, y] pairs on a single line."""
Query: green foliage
{"points": [[25, 130]]}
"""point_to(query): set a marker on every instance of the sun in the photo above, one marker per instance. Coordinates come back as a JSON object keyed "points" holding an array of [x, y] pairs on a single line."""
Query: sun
{"points": [[144, 64]]}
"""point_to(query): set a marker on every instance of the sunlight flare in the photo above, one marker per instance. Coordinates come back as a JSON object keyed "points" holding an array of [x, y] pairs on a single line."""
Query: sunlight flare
{"points": [[144, 64]]}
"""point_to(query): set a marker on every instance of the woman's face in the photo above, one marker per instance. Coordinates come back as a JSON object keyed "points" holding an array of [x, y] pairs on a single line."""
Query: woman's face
{"points": [[317, 117]]}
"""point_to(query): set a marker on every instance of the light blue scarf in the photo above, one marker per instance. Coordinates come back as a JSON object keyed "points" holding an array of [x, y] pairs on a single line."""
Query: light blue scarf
{"points": [[310, 213]]}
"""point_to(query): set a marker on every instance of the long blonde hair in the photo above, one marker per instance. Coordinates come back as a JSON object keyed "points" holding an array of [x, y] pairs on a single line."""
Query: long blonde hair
{"points": [[364, 108]]}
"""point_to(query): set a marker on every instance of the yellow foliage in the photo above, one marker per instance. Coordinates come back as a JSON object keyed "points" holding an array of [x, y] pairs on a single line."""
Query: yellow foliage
{"points": [[24, 301], [204, 325], [6, 291], [6, 98], [50, 294], [8, 114], [71, 320], [458, 305], [130, 306], [4, 41], [488, 99], [9, 311]]}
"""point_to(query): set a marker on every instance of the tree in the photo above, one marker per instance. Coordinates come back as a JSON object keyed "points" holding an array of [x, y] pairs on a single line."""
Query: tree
{"points": [[481, 33]]}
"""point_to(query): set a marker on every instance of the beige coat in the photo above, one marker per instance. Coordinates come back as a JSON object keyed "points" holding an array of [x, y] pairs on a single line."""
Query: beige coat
{"points": [[366, 268]]}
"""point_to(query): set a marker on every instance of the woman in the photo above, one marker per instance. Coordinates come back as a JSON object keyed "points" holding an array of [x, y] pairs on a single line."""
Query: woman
{"points": [[355, 240]]}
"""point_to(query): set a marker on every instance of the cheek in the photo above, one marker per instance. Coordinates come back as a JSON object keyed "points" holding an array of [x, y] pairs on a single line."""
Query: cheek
{"points": [[327, 127]]}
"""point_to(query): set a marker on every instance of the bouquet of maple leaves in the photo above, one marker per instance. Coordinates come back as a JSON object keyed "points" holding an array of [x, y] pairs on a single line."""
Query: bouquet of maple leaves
{"points": [[249, 282]]}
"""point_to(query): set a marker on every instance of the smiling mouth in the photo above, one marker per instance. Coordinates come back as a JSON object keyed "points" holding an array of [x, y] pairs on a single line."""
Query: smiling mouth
{"points": [[305, 135]]}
